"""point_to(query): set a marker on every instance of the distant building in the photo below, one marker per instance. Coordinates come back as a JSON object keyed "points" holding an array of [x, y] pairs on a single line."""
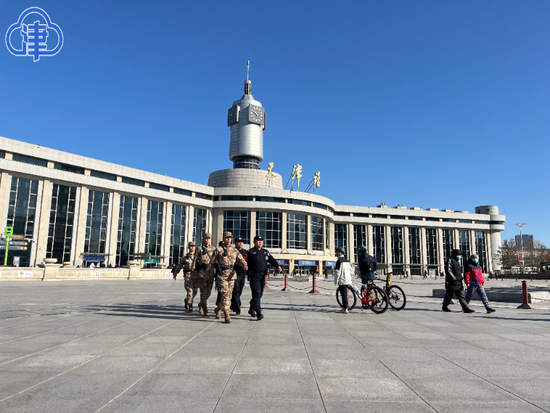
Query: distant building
{"points": [[526, 239]]}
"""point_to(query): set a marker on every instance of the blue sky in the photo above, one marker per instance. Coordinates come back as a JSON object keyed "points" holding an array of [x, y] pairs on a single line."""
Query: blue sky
{"points": [[442, 104]]}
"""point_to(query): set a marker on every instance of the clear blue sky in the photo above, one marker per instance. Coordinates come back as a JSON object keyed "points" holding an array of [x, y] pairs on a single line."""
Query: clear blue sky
{"points": [[442, 104]]}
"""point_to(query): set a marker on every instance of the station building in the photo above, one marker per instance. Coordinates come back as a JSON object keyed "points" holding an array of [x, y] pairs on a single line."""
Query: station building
{"points": [[80, 210]]}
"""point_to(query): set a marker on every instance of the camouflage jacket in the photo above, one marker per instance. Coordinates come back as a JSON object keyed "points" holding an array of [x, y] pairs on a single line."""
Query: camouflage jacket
{"points": [[226, 258], [204, 257], [189, 267]]}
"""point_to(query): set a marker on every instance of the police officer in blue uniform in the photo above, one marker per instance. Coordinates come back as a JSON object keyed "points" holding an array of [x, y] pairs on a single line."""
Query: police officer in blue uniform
{"points": [[258, 258], [241, 278]]}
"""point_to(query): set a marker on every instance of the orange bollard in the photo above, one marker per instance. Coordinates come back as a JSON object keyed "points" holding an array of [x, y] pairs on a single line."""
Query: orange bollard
{"points": [[525, 295], [314, 290], [286, 284]]}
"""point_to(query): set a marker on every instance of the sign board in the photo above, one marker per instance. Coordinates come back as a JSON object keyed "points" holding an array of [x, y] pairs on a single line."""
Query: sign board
{"points": [[520, 256], [152, 260], [96, 274], [25, 274], [330, 263], [304, 262], [281, 262], [168, 274]]}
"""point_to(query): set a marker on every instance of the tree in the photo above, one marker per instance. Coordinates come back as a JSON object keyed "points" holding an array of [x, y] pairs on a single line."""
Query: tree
{"points": [[508, 253], [535, 252]]}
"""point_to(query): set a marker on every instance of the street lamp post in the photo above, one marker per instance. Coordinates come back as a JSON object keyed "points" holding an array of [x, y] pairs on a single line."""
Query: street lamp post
{"points": [[521, 243]]}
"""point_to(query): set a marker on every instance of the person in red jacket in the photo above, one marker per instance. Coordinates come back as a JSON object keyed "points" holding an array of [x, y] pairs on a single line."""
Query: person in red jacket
{"points": [[474, 280]]}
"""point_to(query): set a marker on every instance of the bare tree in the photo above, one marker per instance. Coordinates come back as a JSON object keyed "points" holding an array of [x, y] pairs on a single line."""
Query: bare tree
{"points": [[535, 252], [508, 253]]}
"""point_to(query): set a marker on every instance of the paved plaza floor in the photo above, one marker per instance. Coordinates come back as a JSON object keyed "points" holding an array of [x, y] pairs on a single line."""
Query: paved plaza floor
{"points": [[127, 346]]}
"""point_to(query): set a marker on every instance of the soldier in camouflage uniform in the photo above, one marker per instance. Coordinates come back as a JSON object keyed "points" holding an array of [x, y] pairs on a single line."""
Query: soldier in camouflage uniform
{"points": [[190, 276], [206, 272], [226, 257]]}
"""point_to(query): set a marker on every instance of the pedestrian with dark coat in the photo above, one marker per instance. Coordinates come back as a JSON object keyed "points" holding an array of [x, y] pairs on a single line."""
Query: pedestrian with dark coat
{"points": [[473, 277], [241, 278], [258, 258], [453, 282], [367, 265]]}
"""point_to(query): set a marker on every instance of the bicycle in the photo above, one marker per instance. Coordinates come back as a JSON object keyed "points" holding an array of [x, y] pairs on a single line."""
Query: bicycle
{"points": [[373, 298], [396, 295]]}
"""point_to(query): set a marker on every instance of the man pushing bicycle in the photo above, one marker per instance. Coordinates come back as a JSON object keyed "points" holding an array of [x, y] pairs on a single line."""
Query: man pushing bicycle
{"points": [[367, 265]]}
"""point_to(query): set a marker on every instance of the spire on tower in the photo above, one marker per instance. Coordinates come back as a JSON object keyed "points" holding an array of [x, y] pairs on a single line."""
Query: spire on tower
{"points": [[248, 83]]}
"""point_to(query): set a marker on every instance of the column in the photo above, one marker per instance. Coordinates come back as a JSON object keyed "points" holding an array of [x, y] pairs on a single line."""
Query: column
{"points": [[253, 229], [45, 206], [167, 232], [112, 227], [190, 218], [79, 224], [441, 258], [423, 249], [308, 233], [284, 244], [406, 249], [492, 266], [387, 246], [351, 243], [142, 224], [370, 243]]}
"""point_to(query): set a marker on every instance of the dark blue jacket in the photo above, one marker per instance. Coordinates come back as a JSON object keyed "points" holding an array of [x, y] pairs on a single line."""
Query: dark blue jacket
{"points": [[258, 260], [363, 260]]}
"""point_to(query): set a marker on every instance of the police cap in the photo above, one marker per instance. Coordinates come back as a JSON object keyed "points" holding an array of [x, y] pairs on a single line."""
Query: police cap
{"points": [[258, 238]]}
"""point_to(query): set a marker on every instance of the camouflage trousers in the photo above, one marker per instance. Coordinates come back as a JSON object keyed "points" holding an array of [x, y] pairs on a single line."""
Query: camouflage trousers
{"points": [[225, 288], [191, 286], [206, 281]]}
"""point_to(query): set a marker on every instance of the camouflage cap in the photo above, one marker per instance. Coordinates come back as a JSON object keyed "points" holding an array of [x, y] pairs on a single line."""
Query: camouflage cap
{"points": [[191, 244], [207, 235], [227, 234]]}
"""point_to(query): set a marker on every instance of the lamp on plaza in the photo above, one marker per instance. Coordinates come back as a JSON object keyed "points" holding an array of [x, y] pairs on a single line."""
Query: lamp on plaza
{"points": [[521, 244]]}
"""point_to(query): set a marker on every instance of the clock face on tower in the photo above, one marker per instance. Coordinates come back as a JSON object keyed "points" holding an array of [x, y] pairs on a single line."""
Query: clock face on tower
{"points": [[256, 114], [233, 115]]}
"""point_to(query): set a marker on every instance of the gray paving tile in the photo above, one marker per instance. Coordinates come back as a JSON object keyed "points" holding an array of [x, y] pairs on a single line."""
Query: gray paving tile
{"points": [[376, 407], [268, 405], [272, 366], [366, 389], [272, 387]]}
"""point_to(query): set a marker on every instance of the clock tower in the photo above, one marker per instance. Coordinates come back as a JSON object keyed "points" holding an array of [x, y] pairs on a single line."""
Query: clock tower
{"points": [[246, 118]]}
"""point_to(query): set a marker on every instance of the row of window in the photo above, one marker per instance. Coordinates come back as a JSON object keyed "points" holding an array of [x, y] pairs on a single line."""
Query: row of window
{"points": [[414, 218], [414, 245], [98, 174], [271, 199]]}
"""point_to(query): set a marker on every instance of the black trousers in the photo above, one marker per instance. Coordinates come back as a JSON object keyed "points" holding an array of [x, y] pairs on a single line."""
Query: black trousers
{"points": [[237, 291], [257, 283], [459, 294], [343, 290]]}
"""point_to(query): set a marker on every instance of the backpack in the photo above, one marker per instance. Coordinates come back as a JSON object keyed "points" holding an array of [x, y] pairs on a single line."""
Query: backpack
{"points": [[371, 265]]}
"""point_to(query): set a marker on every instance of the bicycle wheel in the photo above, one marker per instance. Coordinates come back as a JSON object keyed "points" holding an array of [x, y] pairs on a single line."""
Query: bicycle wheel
{"points": [[352, 299], [378, 300], [396, 297]]}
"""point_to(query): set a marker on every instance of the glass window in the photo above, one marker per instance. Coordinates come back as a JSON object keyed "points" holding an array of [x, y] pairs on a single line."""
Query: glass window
{"points": [[132, 181], [431, 246], [238, 223], [153, 229], [448, 242], [22, 214], [342, 214], [103, 175], [246, 162], [96, 222], [269, 199], [182, 191], [30, 160], [199, 225], [416, 218], [202, 196], [316, 205], [299, 202], [361, 215], [316, 233], [432, 219], [464, 243], [236, 198], [68, 168], [2, 154], [60, 233], [177, 234], [159, 187], [397, 245], [481, 249], [379, 216], [296, 231], [341, 236], [359, 238], [414, 246], [379, 243], [269, 227], [465, 221], [126, 233]]}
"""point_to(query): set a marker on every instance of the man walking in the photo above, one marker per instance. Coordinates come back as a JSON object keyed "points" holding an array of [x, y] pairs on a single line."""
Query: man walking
{"points": [[190, 276], [453, 282], [258, 258], [226, 257], [206, 272], [241, 278], [342, 276]]}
